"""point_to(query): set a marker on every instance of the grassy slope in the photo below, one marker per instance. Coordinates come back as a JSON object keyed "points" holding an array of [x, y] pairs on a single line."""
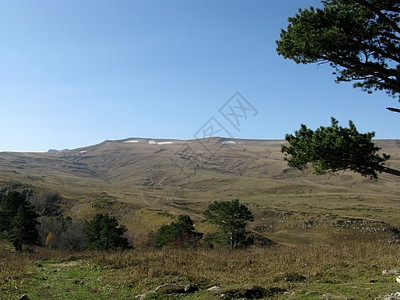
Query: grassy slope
{"points": [[349, 270], [312, 218], [141, 183]]}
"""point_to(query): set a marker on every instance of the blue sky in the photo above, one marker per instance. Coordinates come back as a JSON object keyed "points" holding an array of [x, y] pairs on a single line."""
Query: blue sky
{"points": [[75, 73]]}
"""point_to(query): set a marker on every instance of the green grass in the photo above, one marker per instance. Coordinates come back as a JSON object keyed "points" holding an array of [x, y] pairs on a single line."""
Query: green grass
{"points": [[346, 269]]}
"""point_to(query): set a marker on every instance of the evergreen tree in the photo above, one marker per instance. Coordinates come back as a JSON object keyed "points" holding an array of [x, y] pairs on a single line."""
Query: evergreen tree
{"points": [[358, 38], [104, 233], [334, 148], [232, 217], [178, 234], [18, 220]]}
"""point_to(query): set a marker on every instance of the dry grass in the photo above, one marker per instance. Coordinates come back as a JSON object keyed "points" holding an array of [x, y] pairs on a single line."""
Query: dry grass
{"points": [[254, 266], [346, 269], [14, 265]]}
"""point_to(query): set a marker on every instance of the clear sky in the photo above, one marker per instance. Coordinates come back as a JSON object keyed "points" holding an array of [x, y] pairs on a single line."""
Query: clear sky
{"points": [[75, 73]]}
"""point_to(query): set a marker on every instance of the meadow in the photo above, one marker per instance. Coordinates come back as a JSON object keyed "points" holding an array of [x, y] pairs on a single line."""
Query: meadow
{"points": [[351, 266]]}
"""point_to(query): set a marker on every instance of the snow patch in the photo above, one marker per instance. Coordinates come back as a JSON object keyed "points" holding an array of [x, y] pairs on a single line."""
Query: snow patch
{"points": [[82, 151], [165, 143], [159, 143], [228, 142], [131, 141]]}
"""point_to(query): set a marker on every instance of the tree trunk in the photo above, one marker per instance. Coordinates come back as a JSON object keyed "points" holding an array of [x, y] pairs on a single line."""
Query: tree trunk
{"points": [[390, 171], [18, 246], [393, 109]]}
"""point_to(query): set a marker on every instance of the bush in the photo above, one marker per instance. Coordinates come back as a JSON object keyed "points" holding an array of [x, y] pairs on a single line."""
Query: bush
{"points": [[179, 234], [62, 233]]}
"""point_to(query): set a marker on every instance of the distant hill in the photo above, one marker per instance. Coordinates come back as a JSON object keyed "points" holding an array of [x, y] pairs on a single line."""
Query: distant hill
{"points": [[136, 177]]}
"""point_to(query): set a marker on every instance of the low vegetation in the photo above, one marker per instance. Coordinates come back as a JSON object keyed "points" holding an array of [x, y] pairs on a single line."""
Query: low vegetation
{"points": [[348, 259], [179, 234], [345, 270]]}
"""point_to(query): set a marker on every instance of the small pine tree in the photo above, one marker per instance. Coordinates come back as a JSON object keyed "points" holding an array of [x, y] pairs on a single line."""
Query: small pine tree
{"points": [[232, 217], [18, 220], [178, 234], [104, 233]]}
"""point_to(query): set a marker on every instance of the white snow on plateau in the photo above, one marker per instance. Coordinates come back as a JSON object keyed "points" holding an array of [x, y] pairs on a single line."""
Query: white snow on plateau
{"points": [[165, 143], [159, 143], [83, 151], [228, 142], [131, 141]]}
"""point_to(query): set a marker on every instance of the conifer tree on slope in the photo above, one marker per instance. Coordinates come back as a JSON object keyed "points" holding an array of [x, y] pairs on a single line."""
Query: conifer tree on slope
{"points": [[18, 220]]}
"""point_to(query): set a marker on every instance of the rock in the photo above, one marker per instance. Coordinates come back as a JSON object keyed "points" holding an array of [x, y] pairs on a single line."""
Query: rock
{"points": [[214, 289], [390, 272], [171, 288], [190, 288], [141, 297], [398, 279], [393, 296], [24, 297]]}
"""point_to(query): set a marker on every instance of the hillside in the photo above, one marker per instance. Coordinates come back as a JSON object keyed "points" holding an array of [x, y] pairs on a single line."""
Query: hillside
{"points": [[145, 181]]}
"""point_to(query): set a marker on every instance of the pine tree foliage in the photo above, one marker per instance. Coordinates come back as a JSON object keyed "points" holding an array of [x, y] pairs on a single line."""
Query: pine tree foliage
{"points": [[104, 233], [335, 148], [179, 234], [232, 217], [18, 219], [360, 39]]}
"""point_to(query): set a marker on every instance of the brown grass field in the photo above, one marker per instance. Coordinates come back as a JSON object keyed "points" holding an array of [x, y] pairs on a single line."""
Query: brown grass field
{"points": [[350, 269]]}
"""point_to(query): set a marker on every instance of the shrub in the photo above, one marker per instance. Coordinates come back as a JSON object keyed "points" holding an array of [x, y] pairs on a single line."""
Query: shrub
{"points": [[179, 234], [62, 233]]}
